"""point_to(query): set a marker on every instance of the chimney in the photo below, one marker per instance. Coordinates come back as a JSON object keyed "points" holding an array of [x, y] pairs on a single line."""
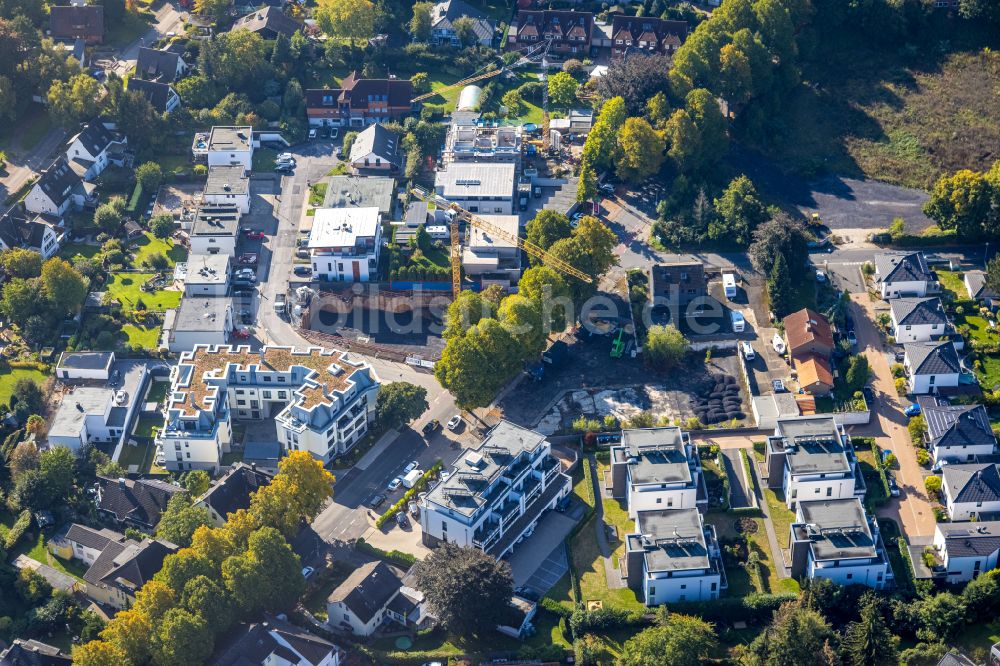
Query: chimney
{"points": [[253, 467], [121, 482]]}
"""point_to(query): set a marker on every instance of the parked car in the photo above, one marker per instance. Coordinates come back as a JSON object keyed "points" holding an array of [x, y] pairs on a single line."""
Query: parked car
{"points": [[891, 480], [307, 571], [445, 475], [376, 501], [852, 338], [248, 259], [302, 253], [748, 352], [254, 235], [312, 134], [284, 168], [778, 386], [454, 422], [285, 157], [413, 508], [241, 333], [912, 410], [820, 277], [302, 271], [431, 426], [395, 483], [869, 394], [410, 466], [401, 519], [607, 188]]}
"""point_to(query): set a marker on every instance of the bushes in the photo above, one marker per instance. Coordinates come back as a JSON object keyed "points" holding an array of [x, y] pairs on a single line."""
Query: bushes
{"points": [[15, 533], [731, 609], [603, 620], [408, 495], [396, 556]]}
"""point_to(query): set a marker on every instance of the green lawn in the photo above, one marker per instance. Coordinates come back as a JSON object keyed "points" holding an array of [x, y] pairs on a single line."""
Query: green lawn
{"points": [[126, 288], [140, 455], [317, 193], [73, 251], [127, 29], [172, 163], [781, 517], [147, 426], [979, 328], [952, 284], [157, 391], [147, 337], [9, 378], [989, 376], [147, 245], [263, 159], [979, 635], [741, 582]]}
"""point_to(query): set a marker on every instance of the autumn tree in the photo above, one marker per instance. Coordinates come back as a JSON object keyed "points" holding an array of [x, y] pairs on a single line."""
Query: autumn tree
{"points": [[214, 9], [296, 494], [465, 312], [181, 519], [601, 147], [522, 317], [547, 227], [64, 286], [353, 20], [467, 590], [21, 263], [474, 366], [640, 153], [74, 101], [420, 23], [562, 89]]}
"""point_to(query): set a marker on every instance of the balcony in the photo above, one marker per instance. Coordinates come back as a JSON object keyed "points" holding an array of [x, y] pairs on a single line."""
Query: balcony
{"points": [[508, 511], [516, 470], [485, 535], [531, 513]]}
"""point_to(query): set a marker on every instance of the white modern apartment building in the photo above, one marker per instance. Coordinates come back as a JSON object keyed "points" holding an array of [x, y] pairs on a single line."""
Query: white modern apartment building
{"points": [[812, 458], [322, 401], [917, 319], [835, 539], [228, 184], [657, 468], [479, 187], [673, 557], [482, 143], [225, 146], [495, 492], [931, 366], [344, 244]]}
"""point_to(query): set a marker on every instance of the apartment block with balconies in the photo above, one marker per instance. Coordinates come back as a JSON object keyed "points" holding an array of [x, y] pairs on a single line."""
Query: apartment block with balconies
{"points": [[495, 492], [657, 468]]}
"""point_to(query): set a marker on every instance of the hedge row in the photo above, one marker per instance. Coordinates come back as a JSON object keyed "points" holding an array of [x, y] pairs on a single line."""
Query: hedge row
{"points": [[750, 608], [16, 531], [396, 556], [28, 365], [408, 495]]}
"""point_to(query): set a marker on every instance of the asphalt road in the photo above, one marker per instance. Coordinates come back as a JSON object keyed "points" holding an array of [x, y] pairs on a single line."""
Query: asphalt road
{"points": [[168, 19]]}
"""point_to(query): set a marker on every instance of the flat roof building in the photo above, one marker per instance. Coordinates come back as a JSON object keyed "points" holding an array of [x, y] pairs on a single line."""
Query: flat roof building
{"points": [[479, 187], [345, 243]]}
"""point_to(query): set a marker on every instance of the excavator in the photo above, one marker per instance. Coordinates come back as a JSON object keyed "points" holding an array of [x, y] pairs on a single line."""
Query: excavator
{"points": [[460, 214]]}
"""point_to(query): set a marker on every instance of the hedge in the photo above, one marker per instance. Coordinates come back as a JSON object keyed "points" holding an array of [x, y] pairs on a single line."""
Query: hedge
{"points": [[408, 495], [604, 620], [751, 608], [727, 488], [20, 526], [29, 365], [397, 556], [904, 579]]}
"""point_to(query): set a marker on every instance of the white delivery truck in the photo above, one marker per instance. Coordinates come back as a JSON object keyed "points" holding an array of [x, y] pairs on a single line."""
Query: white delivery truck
{"points": [[412, 477], [729, 285]]}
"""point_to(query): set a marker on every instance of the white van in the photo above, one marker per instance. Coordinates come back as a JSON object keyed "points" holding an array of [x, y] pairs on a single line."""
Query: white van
{"points": [[729, 285], [739, 323]]}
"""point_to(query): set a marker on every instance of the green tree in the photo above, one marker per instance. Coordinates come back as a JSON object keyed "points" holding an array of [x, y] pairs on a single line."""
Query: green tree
{"points": [[267, 576], [857, 373], [181, 638], [779, 235], [149, 175], [562, 89], [468, 591], [868, 641], [181, 567], [658, 110], [421, 83], [352, 20], [206, 597], [683, 141], [476, 365], [942, 616], [740, 211], [58, 467], [522, 317], [736, 76], [547, 227], [779, 287], [197, 91], [108, 218], [73, 101], [587, 186], [708, 118], [679, 640], [465, 30], [400, 403], [420, 23], [196, 482], [591, 250], [982, 594], [549, 289], [64, 286], [162, 225], [465, 312], [214, 9], [601, 147], [21, 263], [181, 519], [797, 635], [513, 101], [665, 347], [640, 151], [234, 60]]}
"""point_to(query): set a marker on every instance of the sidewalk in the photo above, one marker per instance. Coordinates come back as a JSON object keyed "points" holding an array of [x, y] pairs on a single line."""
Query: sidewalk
{"points": [[378, 449], [781, 567]]}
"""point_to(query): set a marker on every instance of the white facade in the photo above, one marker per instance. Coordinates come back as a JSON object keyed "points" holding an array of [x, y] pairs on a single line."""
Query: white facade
{"points": [[813, 459], [969, 491], [322, 401], [496, 492], [85, 365], [215, 244], [890, 290], [967, 550], [486, 188], [344, 244], [199, 321], [657, 468], [916, 327], [207, 275], [227, 146], [228, 185]]}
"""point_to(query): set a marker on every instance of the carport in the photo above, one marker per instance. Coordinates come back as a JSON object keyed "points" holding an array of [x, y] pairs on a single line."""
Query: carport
{"points": [[540, 561]]}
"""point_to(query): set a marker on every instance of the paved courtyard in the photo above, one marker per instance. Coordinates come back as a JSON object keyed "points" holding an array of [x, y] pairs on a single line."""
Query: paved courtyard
{"points": [[536, 562]]}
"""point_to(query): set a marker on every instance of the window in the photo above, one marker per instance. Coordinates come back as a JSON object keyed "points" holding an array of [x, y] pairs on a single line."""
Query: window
{"points": [[713, 586], [659, 500], [652, 591], [684, 587], [670, 501], [829, 492], [933, 377], [850, 576]]}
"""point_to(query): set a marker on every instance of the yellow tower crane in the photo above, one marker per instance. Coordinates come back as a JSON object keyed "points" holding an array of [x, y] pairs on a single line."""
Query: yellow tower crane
{"points": [[495, 231], [523, 60]]}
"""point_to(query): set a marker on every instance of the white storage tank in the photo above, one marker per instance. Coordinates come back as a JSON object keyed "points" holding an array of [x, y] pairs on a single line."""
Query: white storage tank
{"points": [[469, 98]]}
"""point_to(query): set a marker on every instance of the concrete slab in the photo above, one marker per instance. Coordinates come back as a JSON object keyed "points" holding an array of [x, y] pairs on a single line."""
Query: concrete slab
{"points": [[528, 557]]}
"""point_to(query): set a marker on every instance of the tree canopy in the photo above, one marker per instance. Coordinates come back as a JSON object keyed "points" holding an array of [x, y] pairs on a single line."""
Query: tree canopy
{"points": [[400, 403]]}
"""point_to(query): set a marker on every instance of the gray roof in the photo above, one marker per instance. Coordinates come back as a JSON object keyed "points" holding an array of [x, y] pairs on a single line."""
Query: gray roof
{"points": [[264, 452], [918, 311], [216, 220], [76, 406], [932, 358], [659, 455], [269, 19], [673, 539], [444, 15], [375, 139], [58, 180], [156, 92], [462, 180], [85, 360], [131, 564], [201, 313], [367, 590], [416, 213], [972, 483], [958, 425], [157, 65], [955, 659], [811, 445], [227, 180], [141, 501], [360, 192], [207, 269], [476, 470], [232, 492], [230, 138], [976, 283], [95, 137], [253, 644], [971, 539], [88, 537], [902, 267], [33, 653], [838, 529]]}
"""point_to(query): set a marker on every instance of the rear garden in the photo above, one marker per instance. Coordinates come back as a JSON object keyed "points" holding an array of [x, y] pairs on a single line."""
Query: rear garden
{"points": [[10, 376]]}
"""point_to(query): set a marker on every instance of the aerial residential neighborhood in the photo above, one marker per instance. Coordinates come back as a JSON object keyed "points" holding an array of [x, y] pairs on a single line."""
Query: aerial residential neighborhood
{"points": [[355, 333]]}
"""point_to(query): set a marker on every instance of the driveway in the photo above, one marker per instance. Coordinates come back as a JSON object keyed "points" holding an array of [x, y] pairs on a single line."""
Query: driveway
{"points": [[168, 19], [912, 509], [535, 561]]}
